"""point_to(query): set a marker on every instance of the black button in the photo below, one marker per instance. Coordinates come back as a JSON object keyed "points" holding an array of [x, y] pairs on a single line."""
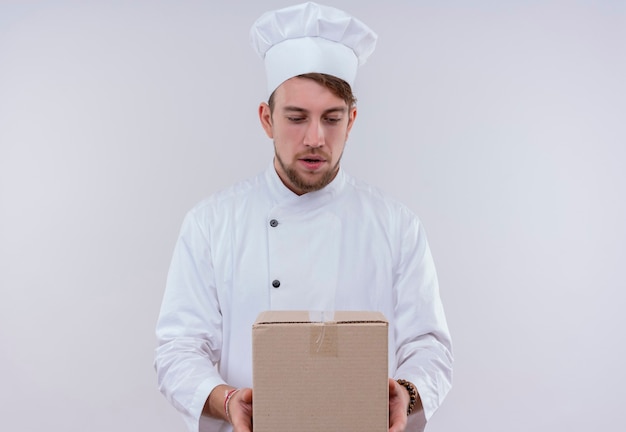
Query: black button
{"points": [[273, 223], [276, 283]]}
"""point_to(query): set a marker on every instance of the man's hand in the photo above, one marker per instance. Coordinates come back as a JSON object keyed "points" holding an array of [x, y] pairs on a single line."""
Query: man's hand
{"points": [[240, 410], [239, 407], [398, 403]]}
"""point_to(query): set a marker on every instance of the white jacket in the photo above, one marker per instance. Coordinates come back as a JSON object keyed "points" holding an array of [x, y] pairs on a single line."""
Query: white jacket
{"points": [[345, 247]]}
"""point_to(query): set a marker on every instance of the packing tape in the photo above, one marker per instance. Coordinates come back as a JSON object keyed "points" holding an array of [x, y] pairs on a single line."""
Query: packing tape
{"points": [[323, 336], [322, 316]]}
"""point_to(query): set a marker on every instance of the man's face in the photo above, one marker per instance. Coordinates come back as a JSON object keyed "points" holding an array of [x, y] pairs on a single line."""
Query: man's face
{"points": [[309, 126]]}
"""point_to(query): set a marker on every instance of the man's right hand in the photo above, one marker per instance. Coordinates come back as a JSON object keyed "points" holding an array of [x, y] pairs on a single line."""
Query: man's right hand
{"points": [[239, 407], [240, 410]]}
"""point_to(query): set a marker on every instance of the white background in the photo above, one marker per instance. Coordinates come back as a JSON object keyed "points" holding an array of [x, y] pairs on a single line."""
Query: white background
{"points": [[502, 124]]}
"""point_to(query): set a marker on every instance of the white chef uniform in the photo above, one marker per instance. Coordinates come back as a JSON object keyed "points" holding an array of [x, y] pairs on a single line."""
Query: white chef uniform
{"points": [[258, 246]]}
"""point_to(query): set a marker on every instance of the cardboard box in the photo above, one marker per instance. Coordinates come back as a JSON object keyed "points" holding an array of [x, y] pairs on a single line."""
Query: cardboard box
{"points": [[315, 372]]}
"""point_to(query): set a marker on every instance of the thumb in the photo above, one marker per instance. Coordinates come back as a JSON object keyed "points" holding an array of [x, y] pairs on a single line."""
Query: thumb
{"points": [[392, 387], [246, 395]]}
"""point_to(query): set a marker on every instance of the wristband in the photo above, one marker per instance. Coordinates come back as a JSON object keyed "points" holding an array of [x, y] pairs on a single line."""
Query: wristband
{"points": [[227, 398], [412, 394]]}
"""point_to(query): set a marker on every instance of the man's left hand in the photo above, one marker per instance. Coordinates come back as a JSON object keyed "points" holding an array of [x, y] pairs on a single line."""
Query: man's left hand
{"points": [[398, 404]]}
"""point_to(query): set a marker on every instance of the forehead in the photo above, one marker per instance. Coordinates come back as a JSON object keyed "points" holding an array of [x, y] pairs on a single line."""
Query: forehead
{"points": [[307, 94]]}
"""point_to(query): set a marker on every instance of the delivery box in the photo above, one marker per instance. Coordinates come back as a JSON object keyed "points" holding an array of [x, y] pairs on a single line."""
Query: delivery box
{"points": [[320, 372]]}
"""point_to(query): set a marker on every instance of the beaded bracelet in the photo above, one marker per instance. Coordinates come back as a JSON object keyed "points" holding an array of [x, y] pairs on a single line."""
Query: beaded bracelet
{"points": [[412, 394]]}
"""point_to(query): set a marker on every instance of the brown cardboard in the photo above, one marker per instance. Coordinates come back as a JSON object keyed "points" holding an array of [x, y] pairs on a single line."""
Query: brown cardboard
{"points": [[315, 373]]}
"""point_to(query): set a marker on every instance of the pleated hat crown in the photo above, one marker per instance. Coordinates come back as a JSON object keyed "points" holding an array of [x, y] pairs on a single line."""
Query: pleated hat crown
{"points": [[309, 38]]}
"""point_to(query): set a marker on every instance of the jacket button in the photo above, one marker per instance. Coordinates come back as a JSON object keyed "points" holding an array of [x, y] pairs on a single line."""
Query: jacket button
{"points": [[273, 223], [276, 283]]}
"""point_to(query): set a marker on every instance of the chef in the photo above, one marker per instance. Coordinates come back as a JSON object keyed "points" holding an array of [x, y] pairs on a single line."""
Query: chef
{"points": [[302, 235]]}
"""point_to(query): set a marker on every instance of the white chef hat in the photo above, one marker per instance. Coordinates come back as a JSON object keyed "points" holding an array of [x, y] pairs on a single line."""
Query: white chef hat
{"points": [[311, 38]]}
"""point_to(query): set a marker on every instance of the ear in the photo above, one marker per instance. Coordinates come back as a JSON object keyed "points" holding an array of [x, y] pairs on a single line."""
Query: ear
{"points": [[351, 119], [265, 116]]}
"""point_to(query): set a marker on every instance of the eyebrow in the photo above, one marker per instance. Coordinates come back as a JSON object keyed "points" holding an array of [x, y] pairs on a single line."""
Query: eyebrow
{"points": [[340, 109]]}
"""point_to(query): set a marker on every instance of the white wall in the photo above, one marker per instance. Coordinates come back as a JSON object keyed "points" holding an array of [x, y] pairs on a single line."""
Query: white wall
{"points": [[502, 124]]}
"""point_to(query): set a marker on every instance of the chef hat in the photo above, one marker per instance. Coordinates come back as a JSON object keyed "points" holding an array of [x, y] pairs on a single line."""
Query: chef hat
{"points": [[311, 38]]}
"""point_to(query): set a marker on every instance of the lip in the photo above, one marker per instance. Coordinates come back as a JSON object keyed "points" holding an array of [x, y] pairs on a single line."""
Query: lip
{"points": [[312, 162]]}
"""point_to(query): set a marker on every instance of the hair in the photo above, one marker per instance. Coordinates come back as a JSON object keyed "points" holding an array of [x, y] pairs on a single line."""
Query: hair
{"points": [[337, 86]]}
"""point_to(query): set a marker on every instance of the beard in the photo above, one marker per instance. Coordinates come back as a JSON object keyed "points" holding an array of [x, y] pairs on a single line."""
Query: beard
{"points": [[302, 184]]}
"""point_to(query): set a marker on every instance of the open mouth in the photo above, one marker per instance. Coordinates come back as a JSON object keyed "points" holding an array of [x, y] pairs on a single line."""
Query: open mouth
{"points": [[312, 163]]}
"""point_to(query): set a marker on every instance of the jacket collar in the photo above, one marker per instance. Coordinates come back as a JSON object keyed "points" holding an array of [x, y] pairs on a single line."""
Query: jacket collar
{"points": [[281, 194]]}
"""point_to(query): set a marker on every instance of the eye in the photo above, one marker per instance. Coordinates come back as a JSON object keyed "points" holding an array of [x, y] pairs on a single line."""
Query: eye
{"points": [[333, 120], [295, 119]]}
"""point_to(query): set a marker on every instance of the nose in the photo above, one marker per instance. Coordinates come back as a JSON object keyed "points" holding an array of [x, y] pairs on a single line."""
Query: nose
{"points": [[314, 136]]}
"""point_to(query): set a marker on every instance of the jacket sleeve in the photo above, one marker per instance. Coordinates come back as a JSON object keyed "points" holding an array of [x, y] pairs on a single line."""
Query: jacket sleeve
{"points": [[189, 327], [423, 344]]}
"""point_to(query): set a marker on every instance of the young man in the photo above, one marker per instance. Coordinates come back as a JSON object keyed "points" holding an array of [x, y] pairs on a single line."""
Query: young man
{"points": [[303, 235]]}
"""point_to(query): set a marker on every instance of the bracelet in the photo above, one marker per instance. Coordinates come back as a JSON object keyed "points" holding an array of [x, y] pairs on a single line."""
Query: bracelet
{"points": [[227, 398], [412, 394]]}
